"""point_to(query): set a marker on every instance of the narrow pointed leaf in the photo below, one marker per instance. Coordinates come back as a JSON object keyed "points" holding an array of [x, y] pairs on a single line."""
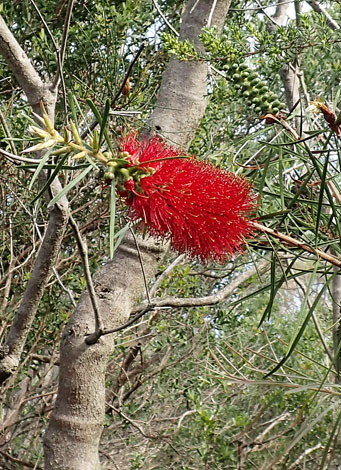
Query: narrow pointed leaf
{"points": [[52, 177], [40, 167], [112, 218], [70, 186]]}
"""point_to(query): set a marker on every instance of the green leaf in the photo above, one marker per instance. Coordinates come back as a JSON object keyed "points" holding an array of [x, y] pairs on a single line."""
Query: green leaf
{"points": [[112, 218], [105, 117], [99, 119], [119, 235], [40, 166], [70, 186], [274, 287], [296, 339], [52, 177], [72, 100], [321, 196]]}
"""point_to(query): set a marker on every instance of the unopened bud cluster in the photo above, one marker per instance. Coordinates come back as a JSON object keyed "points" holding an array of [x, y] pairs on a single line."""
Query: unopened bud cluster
{"points": [[121, 166], [253, 89], [122, 170]]}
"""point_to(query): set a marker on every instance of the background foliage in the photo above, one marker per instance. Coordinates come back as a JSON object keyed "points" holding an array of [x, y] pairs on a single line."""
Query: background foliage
{"points": [[195, 395]]}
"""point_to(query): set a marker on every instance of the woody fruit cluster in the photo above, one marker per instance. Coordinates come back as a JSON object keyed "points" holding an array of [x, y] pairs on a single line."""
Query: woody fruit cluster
{"points": [[252, 89]]}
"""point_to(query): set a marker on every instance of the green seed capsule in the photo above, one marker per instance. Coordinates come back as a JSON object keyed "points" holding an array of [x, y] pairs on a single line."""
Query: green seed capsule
{"points": [[253, 76], [269, 97], [245, 74], [236, 77], [246, 84], [243, 67], [253, 91], [258, 109], [266, 106], [276, 103]]}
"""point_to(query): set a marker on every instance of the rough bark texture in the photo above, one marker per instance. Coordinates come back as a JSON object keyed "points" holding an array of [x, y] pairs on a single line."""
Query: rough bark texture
{"points": [[73, 435], [182, 98], [10, 353], [75, 427], [27, 77], [35, 90]]}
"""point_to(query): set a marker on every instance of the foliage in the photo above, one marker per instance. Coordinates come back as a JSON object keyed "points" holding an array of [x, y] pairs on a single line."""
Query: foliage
{"points": [[195, 395]]}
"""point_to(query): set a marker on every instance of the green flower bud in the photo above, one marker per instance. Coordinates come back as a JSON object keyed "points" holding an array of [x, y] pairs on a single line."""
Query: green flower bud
{"points": [[108, 175], [125, 174]]}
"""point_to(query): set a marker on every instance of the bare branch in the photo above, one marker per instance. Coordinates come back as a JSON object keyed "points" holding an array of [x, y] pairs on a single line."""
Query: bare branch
{"points": [[11, 351], [83, 251], [24, 72], [208, 299], [36, 91], [319, 9], [293, 242]]}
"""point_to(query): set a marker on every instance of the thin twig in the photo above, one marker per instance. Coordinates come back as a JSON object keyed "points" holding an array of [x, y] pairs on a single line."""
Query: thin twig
{"points": [[94, 123], [293, 242], [164, 274], [45, 26], [316, 323], [164, 18], [61, 54], [19, 461], [11, 156], [122, 327], [133, 423], [83, 251], [7, 132], [319, 9], [141, 263]]}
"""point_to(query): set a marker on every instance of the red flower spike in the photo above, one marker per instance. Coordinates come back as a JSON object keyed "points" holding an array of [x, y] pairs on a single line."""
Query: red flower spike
{"points": [[202, 209]]}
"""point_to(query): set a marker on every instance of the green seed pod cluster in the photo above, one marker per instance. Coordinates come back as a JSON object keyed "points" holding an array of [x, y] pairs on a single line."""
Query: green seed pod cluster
{"points": [[252, 89]]}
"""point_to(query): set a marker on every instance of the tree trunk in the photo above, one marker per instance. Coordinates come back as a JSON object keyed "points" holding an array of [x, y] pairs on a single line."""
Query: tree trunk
{"points": [[72, 438]]}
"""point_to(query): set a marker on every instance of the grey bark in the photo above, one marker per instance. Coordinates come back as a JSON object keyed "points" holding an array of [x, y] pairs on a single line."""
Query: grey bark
{"points": [[29, 80], [288, 74], [72, 438], [183, 93], [35, 90]]}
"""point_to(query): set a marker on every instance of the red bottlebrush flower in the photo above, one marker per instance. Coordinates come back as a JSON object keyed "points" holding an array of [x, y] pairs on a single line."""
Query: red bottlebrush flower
{"points": [[202, 209]]}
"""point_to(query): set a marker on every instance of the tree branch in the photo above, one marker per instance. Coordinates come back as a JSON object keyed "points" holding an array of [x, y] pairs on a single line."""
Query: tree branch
{"points": [[319, 9], [76, 421], [220, 296], [24, 72], [35, 91]]}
